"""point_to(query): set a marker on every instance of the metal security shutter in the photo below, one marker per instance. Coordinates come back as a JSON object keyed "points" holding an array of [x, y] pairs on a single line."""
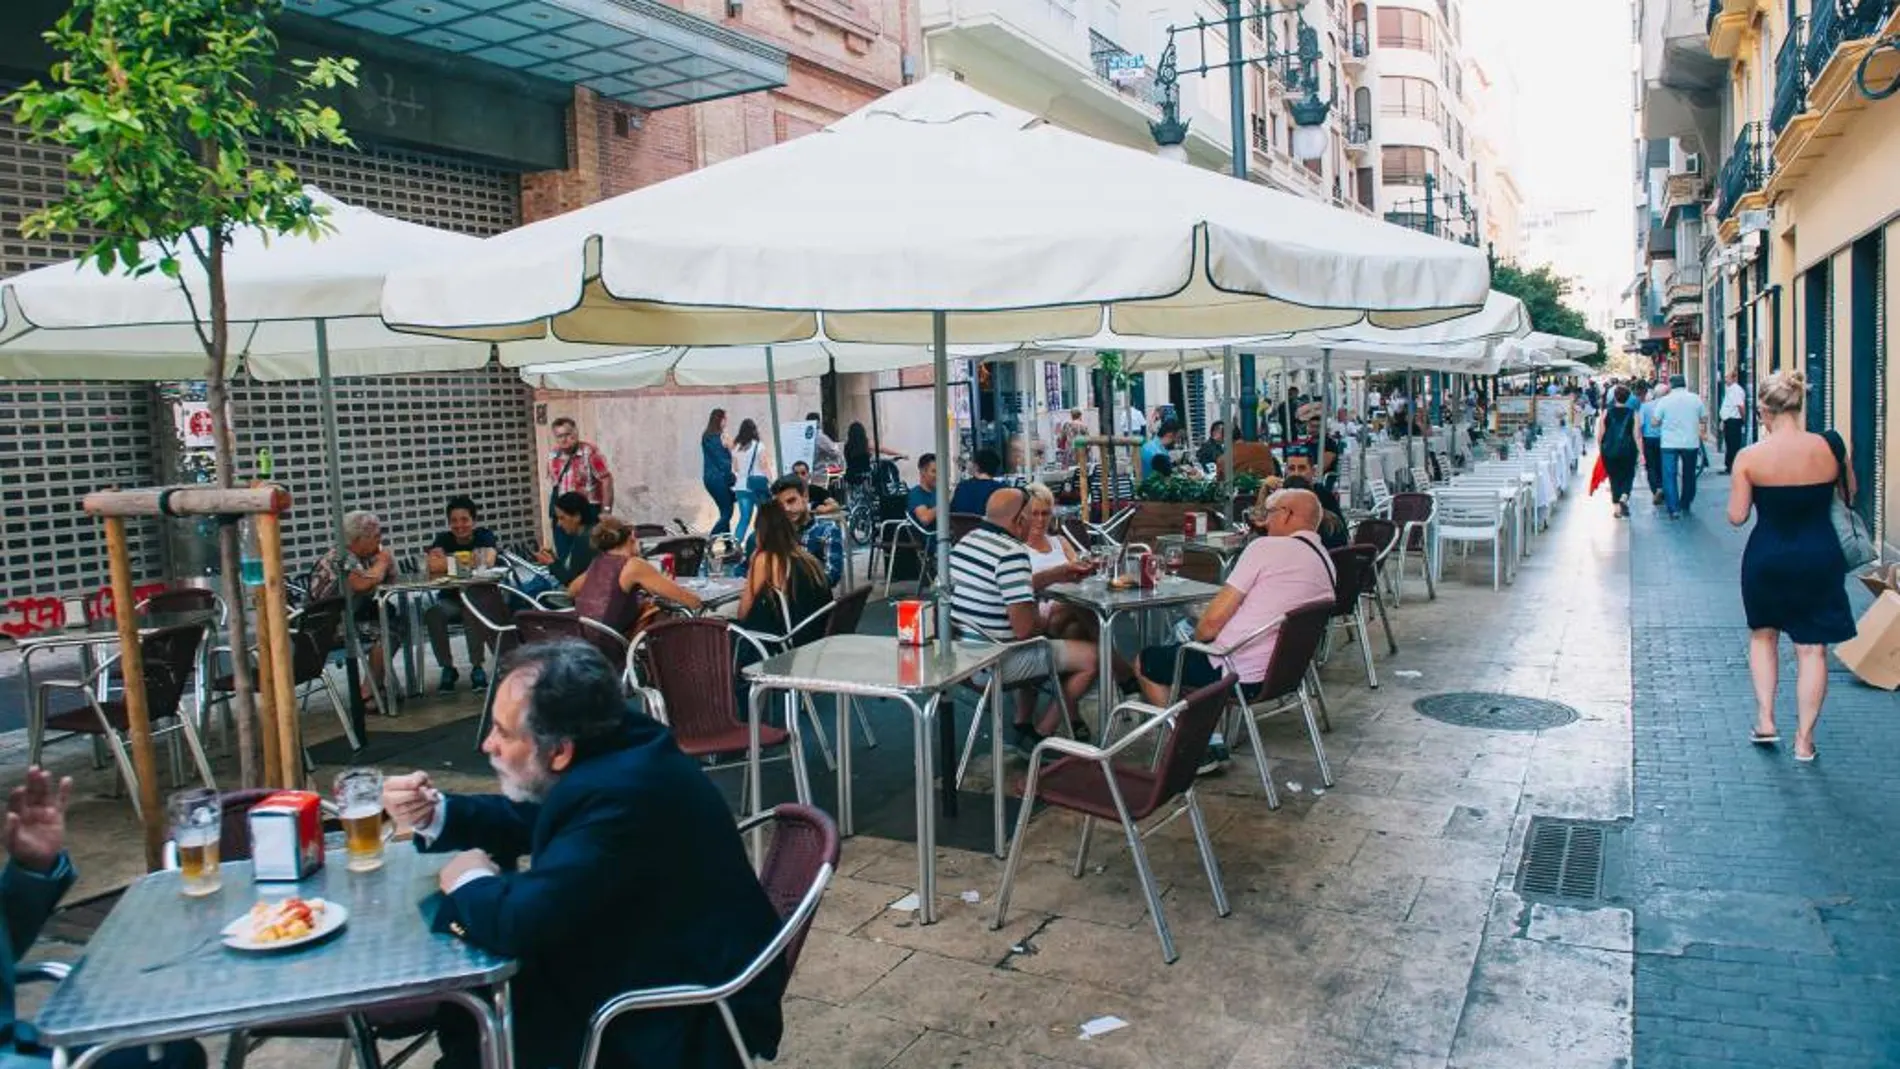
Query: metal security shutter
{"points": [[1197, 415], [409, 443], [59, 440]]}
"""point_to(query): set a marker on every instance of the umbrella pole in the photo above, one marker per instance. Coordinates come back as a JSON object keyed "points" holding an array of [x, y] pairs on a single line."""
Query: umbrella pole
{"points": [[1231, 419], [333, 472], [1025, 391], [1325, 409], [940, 342], [771, 404]]}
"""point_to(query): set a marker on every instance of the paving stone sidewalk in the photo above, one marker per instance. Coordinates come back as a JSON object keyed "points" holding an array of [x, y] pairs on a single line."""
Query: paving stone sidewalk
{"points": [[1766, 893]]}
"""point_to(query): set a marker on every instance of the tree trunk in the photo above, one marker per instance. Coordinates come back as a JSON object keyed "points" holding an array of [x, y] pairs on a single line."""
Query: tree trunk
{"points": [[230, 580]]}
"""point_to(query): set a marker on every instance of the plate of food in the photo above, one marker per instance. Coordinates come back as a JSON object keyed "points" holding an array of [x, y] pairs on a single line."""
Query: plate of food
{"points": [[283, 923]]}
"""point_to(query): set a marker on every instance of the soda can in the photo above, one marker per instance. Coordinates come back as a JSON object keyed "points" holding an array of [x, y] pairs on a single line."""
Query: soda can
{"points": [[1150, 571], [665, 563]]}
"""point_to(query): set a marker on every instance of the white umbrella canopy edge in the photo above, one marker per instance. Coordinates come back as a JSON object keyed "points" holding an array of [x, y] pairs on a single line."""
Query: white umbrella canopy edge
{"points": [[894, 214]]}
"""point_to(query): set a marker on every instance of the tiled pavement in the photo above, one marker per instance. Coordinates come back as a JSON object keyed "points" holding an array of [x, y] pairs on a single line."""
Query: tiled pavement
{"points": [[1766, 893], [1373, 924]]}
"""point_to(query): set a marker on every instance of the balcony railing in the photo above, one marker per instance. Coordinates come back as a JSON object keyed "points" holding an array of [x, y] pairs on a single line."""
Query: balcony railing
{"points": [[1835, 21], [1686, 283], [1791, 76], [1745, 169], [1121, 68], [1359, 134], [1361, 44]]}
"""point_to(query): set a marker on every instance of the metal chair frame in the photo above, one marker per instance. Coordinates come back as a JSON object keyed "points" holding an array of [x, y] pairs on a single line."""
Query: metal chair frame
{"points": [[980, 684], [1156, 720], [1427, 531], [790, 931], [498, 633]]}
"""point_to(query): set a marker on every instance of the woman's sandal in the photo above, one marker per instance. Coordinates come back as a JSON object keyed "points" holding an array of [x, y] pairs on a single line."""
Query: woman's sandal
{"points": [[1760, 739], [1811, 755]]}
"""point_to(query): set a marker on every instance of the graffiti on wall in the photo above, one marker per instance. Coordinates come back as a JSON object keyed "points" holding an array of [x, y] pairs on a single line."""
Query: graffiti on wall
{"points": [[31, 616]]}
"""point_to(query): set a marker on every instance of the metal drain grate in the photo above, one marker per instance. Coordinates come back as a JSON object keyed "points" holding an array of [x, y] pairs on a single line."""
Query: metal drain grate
{"points": [[1494, 712], [1563, 859]]}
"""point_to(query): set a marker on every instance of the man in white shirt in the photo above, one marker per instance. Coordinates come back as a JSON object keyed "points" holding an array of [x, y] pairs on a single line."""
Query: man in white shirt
{"points": [[1132, 423], [1734, 409], [1680, 416]]}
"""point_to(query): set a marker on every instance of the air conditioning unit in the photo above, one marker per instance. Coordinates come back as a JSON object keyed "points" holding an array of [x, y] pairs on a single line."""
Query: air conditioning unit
{"points": [[1693, 165]]}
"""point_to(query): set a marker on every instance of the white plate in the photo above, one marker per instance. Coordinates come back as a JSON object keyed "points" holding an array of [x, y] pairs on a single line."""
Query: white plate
{"points": [[237, 934]]}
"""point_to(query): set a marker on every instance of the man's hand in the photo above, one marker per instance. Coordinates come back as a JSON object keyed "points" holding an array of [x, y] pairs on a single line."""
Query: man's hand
{"points": [[464, 863], [411, 799], [385, 563], [36, 821]]}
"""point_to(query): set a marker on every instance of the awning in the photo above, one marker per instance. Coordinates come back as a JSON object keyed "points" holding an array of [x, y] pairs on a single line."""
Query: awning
{"points": [[639, 52]]}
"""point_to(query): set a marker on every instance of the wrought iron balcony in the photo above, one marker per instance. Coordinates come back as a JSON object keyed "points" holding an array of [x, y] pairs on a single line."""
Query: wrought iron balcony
{"points": [[1120, 68], [1361, 45], [1836, 21], [1359, 134], [1791, 76], [1745, 169]]}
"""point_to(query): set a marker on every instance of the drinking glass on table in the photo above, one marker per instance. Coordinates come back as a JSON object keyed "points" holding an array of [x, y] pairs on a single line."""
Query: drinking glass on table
{"points": [[197, 824], [359, 802], [1171, 559]]}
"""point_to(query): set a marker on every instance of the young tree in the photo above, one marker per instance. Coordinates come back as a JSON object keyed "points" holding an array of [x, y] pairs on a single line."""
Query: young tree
{"points": [[162, 106], [1543, 293]]}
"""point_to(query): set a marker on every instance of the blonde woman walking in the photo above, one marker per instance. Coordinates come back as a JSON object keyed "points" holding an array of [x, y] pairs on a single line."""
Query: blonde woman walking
{"points": [[1792, 569]]}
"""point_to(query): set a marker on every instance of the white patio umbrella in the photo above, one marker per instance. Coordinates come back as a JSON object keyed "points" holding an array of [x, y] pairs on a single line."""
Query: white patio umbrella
{"points": [[938, 215], [299, 308]]}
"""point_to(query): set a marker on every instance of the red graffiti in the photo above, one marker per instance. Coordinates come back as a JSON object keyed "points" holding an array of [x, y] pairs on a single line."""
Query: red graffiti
{"points": [[99, 605], [35, 615]]}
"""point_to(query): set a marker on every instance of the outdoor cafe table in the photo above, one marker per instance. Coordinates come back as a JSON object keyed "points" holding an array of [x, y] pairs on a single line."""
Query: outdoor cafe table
{"points": [[877, 666], [405, 591], [101, 632], [1107, 603], [714, 592], [156, 970]]}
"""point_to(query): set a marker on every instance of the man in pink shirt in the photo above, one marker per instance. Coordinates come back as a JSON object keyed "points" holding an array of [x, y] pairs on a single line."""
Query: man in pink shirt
{"points": [[1282, 571]]}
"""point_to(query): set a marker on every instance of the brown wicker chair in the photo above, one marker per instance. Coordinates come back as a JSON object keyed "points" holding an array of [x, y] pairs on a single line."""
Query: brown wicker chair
{"points": [[170, 655], [799, 865], [1355, 579], [316, 632], [544, 625], [684, 669], [1382, 535], [689, 553], [1090, 780], [1414, 513]]}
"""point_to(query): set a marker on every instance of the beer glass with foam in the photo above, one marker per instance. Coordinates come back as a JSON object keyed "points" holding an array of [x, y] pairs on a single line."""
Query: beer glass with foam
{"points": [[197, 823], [359, 800]]}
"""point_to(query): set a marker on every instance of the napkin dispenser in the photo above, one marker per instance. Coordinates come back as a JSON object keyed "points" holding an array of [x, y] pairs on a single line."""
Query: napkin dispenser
{"points": [[286, 836]]}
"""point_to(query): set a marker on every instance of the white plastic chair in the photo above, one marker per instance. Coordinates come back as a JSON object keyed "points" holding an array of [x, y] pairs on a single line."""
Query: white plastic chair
{"points": [[1476, 514]]}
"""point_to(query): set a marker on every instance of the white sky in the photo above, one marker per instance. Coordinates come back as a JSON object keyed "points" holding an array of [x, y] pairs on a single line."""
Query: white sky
{"points": [[1571, 63]]}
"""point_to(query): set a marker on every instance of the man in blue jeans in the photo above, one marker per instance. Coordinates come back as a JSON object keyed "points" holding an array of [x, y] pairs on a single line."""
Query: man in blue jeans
{"points": [[1680, 419], [1646, 400]]}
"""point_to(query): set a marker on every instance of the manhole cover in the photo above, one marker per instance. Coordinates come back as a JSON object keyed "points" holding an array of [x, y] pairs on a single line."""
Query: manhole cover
{"points": [[1495, 712], [1563, 859]]}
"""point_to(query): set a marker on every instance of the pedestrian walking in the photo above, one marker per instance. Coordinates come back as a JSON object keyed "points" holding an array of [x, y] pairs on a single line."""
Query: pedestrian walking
{"points": [[1681, 424], [1792, 568], [1619, 445], [1734, 405], [715, 468], [752, 476], [1646, 399], [577, 467]]}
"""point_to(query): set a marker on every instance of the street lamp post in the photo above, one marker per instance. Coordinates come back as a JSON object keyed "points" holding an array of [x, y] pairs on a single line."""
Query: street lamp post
{"points": [[1310, 139]]}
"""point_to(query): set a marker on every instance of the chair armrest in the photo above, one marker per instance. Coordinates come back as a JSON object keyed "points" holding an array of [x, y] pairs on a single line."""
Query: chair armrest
{"points": [[41, 971]]}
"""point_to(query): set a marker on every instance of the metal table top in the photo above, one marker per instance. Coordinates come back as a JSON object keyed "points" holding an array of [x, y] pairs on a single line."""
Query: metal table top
{"points": [[872, 665], [157, 965], [713, 591], [1097, 595], [107, 629], [1203, 544], [437, 584]]}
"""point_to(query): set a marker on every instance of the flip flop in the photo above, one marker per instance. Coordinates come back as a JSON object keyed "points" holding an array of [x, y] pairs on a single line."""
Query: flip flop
{"points": [[1760, 739], [1812, 754]]}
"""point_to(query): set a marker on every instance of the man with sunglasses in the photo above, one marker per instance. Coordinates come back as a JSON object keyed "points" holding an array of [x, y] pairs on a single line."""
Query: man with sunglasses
{"points": [[993, 594]]}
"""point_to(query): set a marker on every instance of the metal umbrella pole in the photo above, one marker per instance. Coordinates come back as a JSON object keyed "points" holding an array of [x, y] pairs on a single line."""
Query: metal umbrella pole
{"points": [[1231, 418], [333, 471], [771, 406], [1025, 390], [1325, 408], [940, 341]]}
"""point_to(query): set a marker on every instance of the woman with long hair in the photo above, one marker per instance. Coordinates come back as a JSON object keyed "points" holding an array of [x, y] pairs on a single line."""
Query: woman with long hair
{"points": [[781, 567], [1620, 443], [573, 548], [752, 475], [1792, 569], [715, 468], [618, 584]]}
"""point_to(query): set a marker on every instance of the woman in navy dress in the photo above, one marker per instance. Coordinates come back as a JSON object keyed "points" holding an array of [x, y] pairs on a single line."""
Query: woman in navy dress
{"points": [[1792, 570]]}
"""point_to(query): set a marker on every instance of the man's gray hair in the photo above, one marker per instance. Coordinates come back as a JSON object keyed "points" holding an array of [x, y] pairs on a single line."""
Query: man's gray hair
{"points": [[360, 524], [1677, 382], [573, 692]]}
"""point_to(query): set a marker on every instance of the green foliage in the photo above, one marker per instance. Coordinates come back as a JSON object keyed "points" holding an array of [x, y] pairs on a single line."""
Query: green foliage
{"points": [[160, 105], [1181, 490], [1543, 293], [1112, 364]]}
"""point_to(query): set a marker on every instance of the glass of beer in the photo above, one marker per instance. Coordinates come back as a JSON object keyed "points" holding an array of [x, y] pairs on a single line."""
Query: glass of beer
{"points": [[359, 799], [197, 823]]}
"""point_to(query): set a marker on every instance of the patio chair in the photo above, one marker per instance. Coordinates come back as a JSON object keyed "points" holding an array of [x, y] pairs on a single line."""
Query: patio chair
{"points": [[1353, 579], [170, 655], [962, 523], [898, 535], [684, 670], [489, 605], [980, 684], [798, 866], [1290, 681], [1380, 496], [1415, 515], [689, 553], [316, 633], [1380, 536], [1383, 536], [1465, 516], [840, 617], [543, 625], [651, 530], [1090, 780], [194, 599]]}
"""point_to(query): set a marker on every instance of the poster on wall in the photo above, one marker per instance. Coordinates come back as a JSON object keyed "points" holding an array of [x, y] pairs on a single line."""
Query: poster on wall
{"points": [[1052, 385], [798, 441], [193, 419]]}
